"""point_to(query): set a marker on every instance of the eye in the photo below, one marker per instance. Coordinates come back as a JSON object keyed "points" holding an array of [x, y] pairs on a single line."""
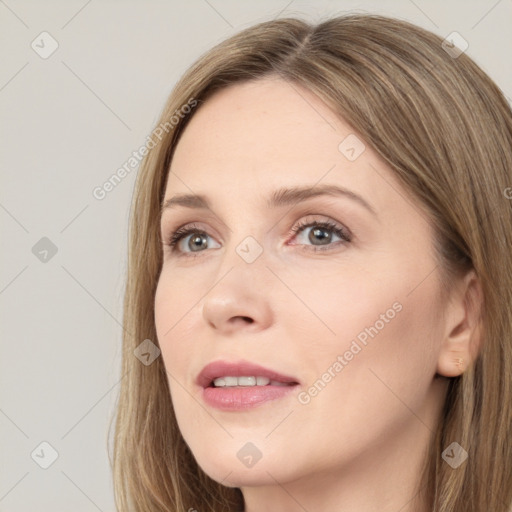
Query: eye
{"points": [[320, 234], [191, 237], [190, 240]]}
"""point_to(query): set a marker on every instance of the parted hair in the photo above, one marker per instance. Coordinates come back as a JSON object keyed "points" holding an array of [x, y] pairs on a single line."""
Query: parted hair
{"points": [[444, 128]]}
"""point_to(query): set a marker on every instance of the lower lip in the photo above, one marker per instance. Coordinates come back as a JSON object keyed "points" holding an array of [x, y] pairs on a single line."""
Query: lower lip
{"points": [[242, 398]]}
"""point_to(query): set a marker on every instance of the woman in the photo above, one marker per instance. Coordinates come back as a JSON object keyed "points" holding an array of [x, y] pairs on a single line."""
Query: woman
{"points": [[320, 268]]}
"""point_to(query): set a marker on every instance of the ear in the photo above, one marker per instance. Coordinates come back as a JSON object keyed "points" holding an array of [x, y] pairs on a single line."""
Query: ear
{"points": [[463, 319]]}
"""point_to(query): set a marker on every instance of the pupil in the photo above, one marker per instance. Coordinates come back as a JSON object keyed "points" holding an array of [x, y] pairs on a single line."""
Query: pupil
{"points": [[198, 241], [321, 235]]}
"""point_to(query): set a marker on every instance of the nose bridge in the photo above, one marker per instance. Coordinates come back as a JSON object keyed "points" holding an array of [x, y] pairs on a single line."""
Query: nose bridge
{"points": [[244, 246], [241, 287], [243, 267]]}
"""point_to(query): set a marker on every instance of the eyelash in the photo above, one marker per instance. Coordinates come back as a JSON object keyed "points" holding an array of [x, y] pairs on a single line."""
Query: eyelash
{"points": [[346, 238]]}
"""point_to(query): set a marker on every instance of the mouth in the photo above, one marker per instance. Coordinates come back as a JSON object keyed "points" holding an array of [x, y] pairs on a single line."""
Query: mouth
{"points": [[242, 385], [225, 374], [245, 381]]}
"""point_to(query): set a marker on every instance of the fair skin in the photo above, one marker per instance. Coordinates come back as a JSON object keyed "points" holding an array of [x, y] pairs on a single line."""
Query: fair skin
{"points": [[358, 444]]}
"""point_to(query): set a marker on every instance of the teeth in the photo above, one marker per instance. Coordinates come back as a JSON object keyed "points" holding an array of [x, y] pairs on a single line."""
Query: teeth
{"points": [[245, 381], [277, 383], [230, 381]]}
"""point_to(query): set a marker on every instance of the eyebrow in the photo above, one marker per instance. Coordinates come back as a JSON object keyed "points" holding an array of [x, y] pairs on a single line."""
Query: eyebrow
{"points": [[279, 198]]}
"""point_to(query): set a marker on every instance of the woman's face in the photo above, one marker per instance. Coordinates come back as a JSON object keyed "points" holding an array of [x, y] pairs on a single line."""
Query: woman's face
{"points": [[348, 310]]}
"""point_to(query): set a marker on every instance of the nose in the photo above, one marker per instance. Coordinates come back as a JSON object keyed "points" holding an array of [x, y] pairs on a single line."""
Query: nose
{"points": [[239, 301]]}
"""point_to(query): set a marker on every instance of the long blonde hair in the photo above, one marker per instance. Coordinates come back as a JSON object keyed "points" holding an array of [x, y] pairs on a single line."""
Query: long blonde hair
{"points": [[445, 130]]}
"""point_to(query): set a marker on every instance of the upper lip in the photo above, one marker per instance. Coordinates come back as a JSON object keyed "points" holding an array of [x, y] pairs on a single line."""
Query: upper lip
{"points": [[238, 369]]}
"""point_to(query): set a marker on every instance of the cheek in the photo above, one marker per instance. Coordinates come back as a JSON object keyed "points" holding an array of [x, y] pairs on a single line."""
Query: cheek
{"points": [[382, 382], [373, 332], [343, 306], [174, 314], [387, 346], [174, 319]]}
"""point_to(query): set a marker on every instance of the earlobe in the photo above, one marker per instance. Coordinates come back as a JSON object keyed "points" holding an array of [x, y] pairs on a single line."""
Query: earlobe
{"points": [[463, 327], [452, 364]]}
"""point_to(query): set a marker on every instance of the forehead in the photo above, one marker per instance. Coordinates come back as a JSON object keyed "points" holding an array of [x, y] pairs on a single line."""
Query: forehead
{"points": [[262, 131], [259, 121], [253, 138]]}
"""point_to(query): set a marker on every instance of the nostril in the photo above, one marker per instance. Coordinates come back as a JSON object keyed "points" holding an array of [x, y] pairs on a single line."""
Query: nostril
{"points": [[248, 319]]}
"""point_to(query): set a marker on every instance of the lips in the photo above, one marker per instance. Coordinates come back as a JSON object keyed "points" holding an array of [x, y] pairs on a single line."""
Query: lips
{"points": [[218, 369], [243, 397]]}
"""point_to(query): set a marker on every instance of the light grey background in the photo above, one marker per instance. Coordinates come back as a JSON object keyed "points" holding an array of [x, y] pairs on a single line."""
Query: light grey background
{"points": [[68, 123]]}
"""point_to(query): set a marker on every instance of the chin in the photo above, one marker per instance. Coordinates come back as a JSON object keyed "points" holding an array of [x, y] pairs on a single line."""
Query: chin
{"points": [[230, 472], [243, 477]]}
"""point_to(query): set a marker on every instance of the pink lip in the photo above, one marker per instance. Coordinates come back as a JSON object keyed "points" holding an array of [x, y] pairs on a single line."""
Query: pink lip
{"points": [[240, 398]]}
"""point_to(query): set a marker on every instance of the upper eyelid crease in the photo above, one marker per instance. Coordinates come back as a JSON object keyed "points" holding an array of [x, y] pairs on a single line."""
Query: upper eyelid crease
{"points": [[279, 198], [346, 236]]}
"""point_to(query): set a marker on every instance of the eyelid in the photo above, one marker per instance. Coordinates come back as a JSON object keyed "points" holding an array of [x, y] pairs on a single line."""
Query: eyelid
{"points": [[326, 222], [344, 234], [183, 231]]}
